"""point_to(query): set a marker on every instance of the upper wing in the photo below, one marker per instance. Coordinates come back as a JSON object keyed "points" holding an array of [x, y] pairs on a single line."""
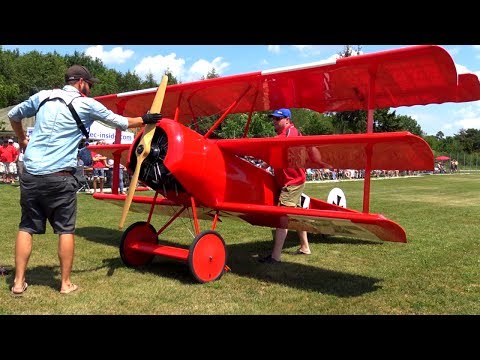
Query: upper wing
{"points": [[415, 75], [390, 151]]}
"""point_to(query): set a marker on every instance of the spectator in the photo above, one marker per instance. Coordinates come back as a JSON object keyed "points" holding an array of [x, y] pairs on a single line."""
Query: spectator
{"points": [[84, 154], [110, 164], [9, 156], [99, 164]]}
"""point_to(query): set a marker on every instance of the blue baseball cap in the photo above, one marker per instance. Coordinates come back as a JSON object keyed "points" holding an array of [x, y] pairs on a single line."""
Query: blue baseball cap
{"points": [[281, 113]]}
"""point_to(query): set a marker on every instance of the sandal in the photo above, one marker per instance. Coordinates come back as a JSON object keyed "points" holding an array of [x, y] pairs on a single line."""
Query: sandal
{"points": [[301, 252], [70, 289], [18, 293]]}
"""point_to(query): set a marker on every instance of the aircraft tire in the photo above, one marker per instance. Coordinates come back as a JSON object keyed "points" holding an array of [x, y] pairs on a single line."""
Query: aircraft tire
{"points": [[140, 231], [207, 256]]}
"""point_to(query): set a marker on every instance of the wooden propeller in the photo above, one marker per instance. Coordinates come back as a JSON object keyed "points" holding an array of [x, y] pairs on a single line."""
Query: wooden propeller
{"points": [[143, 148]]}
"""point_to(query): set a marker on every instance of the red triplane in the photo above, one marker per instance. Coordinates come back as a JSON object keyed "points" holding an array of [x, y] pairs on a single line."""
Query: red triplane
{"points": [[202, 177]]}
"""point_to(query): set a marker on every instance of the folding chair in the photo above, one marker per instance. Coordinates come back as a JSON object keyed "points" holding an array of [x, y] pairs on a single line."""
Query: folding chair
{"points": [[82, 178]]}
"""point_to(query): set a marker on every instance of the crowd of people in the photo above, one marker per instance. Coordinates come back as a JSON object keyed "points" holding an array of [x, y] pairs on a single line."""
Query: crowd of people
{"points": [[11, 161], [351, 174]]}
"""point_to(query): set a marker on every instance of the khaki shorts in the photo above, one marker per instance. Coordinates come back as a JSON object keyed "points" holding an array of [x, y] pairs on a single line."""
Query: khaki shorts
{"points": [[290, 195]]}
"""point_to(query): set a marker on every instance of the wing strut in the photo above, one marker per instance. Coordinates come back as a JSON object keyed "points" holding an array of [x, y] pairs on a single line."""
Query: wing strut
{"points": [[369, 152]]}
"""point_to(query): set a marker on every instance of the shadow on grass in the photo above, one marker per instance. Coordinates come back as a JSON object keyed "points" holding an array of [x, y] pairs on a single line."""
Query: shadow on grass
{"points": [[327, 239], [50, 275], [100, 235], [39, 275], [242, 259]]}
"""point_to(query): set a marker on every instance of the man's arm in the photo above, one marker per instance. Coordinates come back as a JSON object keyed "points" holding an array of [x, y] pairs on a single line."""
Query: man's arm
{"points": [[22, 138], [144, 120]]}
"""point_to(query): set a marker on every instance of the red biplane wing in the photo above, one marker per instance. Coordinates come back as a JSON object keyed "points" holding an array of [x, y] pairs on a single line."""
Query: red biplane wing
{"points": [[320, 218], [390, 151], [415, 75]]}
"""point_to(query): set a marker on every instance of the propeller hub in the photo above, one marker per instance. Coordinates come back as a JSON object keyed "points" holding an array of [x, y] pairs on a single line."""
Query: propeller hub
{"points": [[139, 149], [154, 153]]}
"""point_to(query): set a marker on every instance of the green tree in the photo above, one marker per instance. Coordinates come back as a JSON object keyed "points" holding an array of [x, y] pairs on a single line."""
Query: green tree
{"points": [[149, 82], [469, 140], [440, 135], [212, 74], [172, 80], [432, 141], [350, 50], [129, 81], [35, 71], [409, 124], [449, 145], [310, 122]]}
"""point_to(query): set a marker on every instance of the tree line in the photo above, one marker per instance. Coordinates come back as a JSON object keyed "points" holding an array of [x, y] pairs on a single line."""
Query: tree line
{"points": [[21, 75]]}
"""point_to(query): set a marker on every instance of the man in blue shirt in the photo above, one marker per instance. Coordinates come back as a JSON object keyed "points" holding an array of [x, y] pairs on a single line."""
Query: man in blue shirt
{"points": [[48, 187]]}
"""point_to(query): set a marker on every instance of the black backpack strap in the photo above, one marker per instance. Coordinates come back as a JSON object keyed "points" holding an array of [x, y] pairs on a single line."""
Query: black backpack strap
{"points": [[72, 110], [79, 122]]}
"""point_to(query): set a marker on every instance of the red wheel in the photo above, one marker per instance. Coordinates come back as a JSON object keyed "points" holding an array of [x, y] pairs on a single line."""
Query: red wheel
{"points": [[207, 256], [137, 232]]}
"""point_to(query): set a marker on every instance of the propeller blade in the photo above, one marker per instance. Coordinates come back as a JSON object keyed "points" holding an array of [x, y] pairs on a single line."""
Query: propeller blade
{"points": [[145, 144]]}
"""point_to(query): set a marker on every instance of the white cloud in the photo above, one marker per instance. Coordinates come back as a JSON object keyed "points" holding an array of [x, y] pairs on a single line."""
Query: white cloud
{"points": [[274, 49], [465, 117], [308, 50], [303, 48], [467, 111], [117, 55], [461, 69], [157, 65], [202, 67], [471, 123]]}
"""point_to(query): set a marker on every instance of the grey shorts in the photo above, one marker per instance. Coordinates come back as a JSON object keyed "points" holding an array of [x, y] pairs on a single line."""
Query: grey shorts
{"points": [[98, 172], [52, 197], [290, 195]]}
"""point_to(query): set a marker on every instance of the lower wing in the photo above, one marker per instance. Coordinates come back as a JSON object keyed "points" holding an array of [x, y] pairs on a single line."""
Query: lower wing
{"points": [[320, 218]]}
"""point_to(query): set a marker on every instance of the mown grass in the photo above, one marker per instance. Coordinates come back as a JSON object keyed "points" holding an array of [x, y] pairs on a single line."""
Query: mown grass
{"points": [[436, 272]]}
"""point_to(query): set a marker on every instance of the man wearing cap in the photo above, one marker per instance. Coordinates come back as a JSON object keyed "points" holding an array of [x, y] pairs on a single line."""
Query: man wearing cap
{"points": [[291, 183], [8, 156], [48, 187]]}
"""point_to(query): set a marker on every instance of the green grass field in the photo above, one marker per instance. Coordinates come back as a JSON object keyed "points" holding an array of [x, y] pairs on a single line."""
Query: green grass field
{"points": [[436, 272]]}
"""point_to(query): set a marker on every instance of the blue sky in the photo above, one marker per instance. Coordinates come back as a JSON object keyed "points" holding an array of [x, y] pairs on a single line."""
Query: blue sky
{"points": [[191, 62]]}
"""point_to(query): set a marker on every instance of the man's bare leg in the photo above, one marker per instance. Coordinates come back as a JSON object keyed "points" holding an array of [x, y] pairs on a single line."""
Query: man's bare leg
{"points": [[280, 236], [66, 248], [23, 249], [304, 246]]}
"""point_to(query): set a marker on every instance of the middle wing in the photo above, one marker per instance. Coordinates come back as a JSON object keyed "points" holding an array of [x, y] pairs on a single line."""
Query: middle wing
{"points": [[390, 151]]}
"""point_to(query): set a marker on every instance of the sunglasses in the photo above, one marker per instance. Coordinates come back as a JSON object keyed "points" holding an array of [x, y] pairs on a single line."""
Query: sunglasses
{"points": [[275, 118], [90, 84]]}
